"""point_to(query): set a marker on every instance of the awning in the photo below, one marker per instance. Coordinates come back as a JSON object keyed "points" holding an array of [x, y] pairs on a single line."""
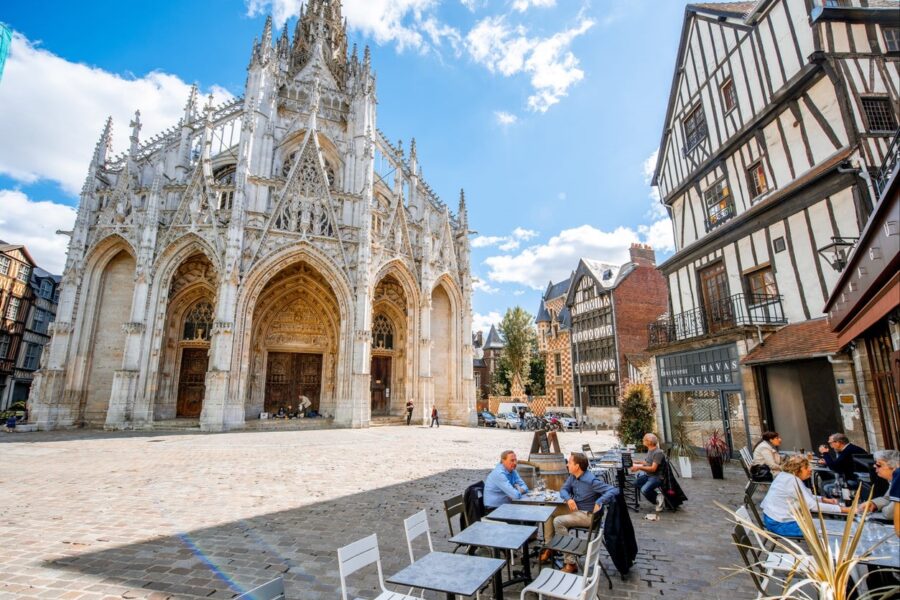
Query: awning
{"points": [[797, 341]]}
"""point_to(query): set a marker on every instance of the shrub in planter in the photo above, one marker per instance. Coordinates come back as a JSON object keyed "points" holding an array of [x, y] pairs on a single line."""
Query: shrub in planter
{"points": [[636, 412], [716, 453]]}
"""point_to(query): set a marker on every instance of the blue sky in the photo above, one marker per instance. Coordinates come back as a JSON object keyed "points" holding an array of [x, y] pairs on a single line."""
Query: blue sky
{"points": [[545, 111]]}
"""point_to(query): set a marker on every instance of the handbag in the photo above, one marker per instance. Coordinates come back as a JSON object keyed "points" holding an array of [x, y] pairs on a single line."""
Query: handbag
{"points": [[761, 473]]}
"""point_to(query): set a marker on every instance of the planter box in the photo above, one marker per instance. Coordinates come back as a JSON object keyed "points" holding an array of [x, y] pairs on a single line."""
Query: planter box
{"points": [[684, 466]]}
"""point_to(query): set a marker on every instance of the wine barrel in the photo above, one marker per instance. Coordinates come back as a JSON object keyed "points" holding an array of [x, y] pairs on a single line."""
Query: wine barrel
{"points": [[551, 468]]}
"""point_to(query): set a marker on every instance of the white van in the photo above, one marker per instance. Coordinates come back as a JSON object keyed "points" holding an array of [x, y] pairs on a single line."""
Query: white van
{"points": [[512, 407]]}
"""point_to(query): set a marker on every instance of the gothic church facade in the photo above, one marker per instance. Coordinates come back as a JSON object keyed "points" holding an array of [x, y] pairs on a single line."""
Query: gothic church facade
{"points": [[274, 246]]}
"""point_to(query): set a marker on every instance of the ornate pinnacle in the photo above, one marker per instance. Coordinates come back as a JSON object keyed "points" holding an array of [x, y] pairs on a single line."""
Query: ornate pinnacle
{"points": [[135, 125], [267, 33], [104, 144], [413, 155]]}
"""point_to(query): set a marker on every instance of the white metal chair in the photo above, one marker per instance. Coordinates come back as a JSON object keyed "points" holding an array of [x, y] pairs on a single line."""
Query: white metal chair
{"points": [[359, 554], [415, 526], [762, 565], [551, 583], [272, 590]]}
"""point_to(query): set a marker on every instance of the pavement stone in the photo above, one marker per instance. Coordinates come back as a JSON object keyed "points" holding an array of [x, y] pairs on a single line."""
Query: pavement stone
{"points": [[166, 515]]}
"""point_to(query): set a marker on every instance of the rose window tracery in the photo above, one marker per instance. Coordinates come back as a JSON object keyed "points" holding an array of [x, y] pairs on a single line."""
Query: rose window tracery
{"points": [[198, 322], [382, 333]]}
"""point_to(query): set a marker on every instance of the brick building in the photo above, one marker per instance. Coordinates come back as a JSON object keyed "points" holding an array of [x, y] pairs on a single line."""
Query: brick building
{"points": [[611, 307], [554, 343], [16, 297]]}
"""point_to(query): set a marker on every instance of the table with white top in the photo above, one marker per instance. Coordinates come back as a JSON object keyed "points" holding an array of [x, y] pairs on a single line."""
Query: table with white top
{"points": [[451, 574], [497, 537]]}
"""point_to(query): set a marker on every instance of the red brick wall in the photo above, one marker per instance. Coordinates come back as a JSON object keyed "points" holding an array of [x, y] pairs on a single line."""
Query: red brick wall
{"points": [[639, 299]]}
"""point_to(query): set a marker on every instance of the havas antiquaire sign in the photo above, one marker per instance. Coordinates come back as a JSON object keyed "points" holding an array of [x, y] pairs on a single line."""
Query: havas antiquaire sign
{"points": [[708, 369]]}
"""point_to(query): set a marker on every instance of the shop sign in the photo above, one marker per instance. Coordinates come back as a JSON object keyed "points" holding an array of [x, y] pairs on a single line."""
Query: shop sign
{"points": [[708, 369]]}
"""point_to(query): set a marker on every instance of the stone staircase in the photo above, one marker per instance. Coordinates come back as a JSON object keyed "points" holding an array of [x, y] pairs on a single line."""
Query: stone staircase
{"points": [[177, 425], [387, 420]]}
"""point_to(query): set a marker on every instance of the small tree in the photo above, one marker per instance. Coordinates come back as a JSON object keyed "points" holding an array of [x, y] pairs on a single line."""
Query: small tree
{"points": [[636, 411], [519, 336], [500, 380], [536, 370]]}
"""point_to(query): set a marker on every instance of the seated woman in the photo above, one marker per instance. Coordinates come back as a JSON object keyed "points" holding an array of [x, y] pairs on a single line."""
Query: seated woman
{"points": [[765, 454], [788, 490]]}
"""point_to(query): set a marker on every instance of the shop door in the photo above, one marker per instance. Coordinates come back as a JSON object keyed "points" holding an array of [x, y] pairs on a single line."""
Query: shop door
{"points": [[381, 385], [717, 307], [733, 421], [290, 375], [192, 382]]}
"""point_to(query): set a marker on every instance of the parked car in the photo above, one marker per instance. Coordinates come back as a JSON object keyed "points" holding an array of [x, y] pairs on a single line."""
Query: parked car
{"points": [[487, 419], [567, 420], [508, 420]]}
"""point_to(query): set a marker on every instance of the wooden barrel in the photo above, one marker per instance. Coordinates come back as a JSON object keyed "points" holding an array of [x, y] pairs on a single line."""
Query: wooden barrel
{"points": [[551, 468]]}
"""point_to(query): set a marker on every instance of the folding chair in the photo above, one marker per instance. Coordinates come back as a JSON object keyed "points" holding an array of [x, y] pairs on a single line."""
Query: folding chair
{"points": [[454, 507], [762, 565], [578, 546], [751, 508], [628, 488], [272, 590], [359, 554], [569, 586]]}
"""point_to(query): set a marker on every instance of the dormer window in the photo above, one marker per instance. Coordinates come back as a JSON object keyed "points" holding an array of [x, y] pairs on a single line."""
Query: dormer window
{"points": [[607, 274]]}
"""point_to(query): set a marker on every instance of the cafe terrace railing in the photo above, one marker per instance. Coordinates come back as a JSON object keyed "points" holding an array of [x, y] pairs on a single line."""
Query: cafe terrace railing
{"points": [[739, 310]]}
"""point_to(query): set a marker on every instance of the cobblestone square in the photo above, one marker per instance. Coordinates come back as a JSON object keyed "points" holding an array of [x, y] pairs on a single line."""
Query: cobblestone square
{"points": [[89, 514]]}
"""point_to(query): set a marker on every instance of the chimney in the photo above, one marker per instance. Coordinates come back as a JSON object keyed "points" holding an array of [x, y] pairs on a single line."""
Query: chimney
{"points": [[643, 254]]}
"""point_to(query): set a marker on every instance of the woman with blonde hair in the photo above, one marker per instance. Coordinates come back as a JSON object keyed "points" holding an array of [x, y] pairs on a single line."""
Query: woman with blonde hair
{"points": [[788, 490]]}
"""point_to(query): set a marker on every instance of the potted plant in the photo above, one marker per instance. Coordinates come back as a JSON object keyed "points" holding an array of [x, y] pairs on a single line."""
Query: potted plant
{"points": [[682, 449], [716, 453]]}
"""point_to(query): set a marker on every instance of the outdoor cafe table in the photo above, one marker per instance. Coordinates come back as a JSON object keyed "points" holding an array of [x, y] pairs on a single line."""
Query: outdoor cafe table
{"points": [[451, 574], [499, 536], [546, 498], [886, 552]]}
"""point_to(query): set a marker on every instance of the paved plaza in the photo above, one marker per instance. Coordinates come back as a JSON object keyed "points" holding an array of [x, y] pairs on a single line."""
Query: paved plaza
{"points": [[90, 514]]}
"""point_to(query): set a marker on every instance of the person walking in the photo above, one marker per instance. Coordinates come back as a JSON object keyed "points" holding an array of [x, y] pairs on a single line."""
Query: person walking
{"points": [[409, 411], [434, 417]]}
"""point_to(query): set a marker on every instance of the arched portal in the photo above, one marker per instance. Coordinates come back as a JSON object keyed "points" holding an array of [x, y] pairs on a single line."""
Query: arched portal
{"points": [[294, 344], [107, 342], [185, 354]]}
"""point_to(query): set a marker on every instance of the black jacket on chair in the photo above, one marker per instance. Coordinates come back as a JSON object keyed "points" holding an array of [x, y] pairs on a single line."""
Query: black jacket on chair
{"points": [[473, 503], [670, 488], [618, 535]]}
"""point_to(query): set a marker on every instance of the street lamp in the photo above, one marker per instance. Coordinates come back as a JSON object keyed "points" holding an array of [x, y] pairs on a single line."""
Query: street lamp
{"points": [[837, 251]]}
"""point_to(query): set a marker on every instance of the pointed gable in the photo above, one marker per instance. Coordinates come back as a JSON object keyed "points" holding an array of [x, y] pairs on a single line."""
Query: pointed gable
{"points": [[494, 340]]}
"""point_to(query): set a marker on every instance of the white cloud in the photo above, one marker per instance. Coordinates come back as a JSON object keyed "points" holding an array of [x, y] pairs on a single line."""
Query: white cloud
{"points": [[523, 5], [519, 293], [483, 323], [54, 110], [534, 266], [509, 50], [505, 118], [505, 242], [649, 167], [18, 225], [480, 285]]}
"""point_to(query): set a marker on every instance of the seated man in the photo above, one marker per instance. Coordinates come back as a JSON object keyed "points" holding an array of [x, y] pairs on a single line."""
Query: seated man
{"points": [[841, 460], [887, 462], [503, 484], [584, 494], [649, 472]]}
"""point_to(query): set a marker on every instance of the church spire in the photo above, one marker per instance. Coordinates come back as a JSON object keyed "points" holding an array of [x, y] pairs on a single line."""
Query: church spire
{"points": [[104, 145]]}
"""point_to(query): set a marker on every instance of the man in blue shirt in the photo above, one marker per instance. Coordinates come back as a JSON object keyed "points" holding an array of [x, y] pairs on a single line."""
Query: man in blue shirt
{"points": [[584, 494], [503, 484]]}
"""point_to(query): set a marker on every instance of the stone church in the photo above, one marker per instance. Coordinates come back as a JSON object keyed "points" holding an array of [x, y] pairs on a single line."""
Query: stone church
{"points": [[272, 247]]}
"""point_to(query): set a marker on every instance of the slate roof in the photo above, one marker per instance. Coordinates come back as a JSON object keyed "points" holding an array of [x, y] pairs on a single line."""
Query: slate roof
{"points": [[565, 319], [738, 9], [555, 290], [543, 315], [478, 362], [493, 340], [797, 341]]}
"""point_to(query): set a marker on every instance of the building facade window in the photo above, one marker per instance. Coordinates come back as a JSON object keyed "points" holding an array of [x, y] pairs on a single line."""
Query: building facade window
{"points": [[756, 180], [46, 289], [879, 114], [729, 95], [778, 244], [24, 273], [602, 395], [41, 320], [198, 323], [719, 207], [4, 346], [557, 364], [12, 309], [559, 397], [382, 333], [4, 265], [694, 128], [892, 38], [761, 284], [32, 356]]}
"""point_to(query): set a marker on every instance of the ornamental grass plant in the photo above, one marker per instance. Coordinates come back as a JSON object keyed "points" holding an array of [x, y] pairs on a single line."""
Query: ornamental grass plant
{"points": [[822, 568]]}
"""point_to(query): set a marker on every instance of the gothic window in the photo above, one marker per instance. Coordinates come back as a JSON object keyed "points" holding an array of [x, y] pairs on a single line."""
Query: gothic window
{"points": [[329, 170], [382, 333], [198, 322], [288, 163], [225, 177]]}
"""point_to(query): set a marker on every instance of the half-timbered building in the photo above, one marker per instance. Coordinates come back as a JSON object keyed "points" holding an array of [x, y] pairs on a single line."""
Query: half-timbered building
{"points": [[16, 299], [779, 111], [273, 247]]}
